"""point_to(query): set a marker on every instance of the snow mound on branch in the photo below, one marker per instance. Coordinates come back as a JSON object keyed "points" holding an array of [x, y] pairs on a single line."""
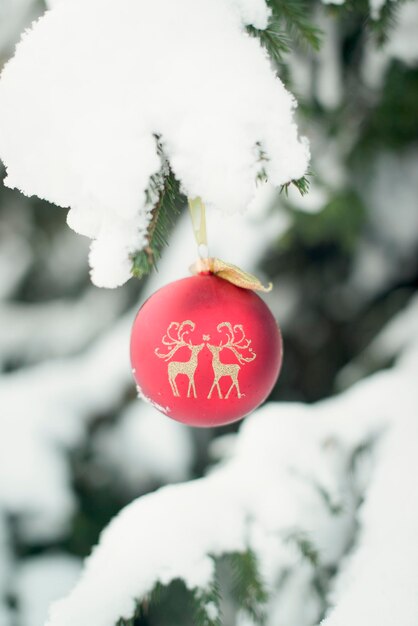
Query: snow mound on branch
{"points": [[42, 579], [287, 457], [387, 553], [95, 81]]}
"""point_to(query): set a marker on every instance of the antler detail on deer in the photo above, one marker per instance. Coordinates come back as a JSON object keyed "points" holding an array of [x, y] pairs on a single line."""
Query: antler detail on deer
{"points": [[182, 329], [180, 367], [236, 345]]}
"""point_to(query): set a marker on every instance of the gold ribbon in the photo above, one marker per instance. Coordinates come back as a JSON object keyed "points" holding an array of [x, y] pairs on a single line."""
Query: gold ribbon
{"points": [[229, 272], [198, 215], [208, 265]]}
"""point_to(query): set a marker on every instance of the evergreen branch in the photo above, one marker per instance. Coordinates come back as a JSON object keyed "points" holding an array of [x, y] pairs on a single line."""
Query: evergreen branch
{"points": [[392, 123], [164, 215], [207, 609], [380, 26], [202, 604], [305, 546], [245, 585], [294, 14], [261, 159], [301, 184], [274, 39], [247, 588], [130, 621]]}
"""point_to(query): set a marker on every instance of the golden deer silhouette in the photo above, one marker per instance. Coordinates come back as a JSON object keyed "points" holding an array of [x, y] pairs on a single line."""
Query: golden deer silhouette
{"points": [[230, 369], [180, 367]]}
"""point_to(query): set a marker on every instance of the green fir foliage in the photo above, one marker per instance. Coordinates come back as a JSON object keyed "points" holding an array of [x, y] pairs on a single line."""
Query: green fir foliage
{"points": [[175, 603], [379, 26], [295, 19], [247, 589], [307, 549], [274, 39], [164, 215], [207, 607], [393, 121], [301, 184]]}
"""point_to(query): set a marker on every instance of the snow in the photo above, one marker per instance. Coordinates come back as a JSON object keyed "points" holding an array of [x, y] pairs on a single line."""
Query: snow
{"points": [[312, 202], [40, 580], [180, 552], [296, 452], [403, 43], [329, 78], [398, 334], [32, 332], [154, 448], [288, 609], [380, 581], [376, 7], [96, 154], [14, 16]]}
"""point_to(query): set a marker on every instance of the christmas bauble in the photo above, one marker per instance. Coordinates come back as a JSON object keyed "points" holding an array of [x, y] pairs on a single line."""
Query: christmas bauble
{"points": [[204, 351]]}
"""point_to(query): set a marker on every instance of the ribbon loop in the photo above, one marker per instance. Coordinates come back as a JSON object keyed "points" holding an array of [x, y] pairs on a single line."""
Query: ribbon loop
{"points": [[229, 272], [212, 265], [198, 215]]}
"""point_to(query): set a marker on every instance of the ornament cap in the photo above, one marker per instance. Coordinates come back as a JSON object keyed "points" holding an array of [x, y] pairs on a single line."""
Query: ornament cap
{"points": [[229, 272]]}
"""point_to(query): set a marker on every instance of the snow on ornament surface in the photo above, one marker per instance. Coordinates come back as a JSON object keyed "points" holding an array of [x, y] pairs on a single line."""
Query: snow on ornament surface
{"points": [[95, 81], [204, 351]]}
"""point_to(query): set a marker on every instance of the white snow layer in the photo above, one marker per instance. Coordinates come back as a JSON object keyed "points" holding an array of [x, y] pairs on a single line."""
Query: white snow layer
{"points": [[80, 107], [403, 41], [287, 456], [376, 7], [154, 448], [380, 582], [40, 580]]}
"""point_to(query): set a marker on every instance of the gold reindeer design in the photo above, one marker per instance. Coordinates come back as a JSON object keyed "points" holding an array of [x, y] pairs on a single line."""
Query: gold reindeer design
{"points": [[230, 369], [180, 367]]}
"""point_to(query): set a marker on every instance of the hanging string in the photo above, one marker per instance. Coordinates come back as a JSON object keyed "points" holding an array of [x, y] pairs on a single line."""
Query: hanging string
{"points": [[212, 265], [198, 215]]}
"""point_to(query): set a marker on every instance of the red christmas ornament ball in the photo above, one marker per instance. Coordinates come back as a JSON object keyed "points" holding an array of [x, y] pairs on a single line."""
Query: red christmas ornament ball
{"points": [[204, 351]]}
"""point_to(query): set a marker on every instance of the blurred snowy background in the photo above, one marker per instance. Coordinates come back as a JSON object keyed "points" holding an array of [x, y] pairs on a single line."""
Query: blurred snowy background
{"points": [[75, 443]]}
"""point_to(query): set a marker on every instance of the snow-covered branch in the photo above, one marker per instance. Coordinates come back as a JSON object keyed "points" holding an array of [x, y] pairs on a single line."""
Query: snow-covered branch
{"points": [[99, 98], [378, 584], [289, 477]]}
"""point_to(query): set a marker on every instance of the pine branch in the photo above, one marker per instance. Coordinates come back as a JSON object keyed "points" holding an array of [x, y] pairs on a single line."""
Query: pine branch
{"points": [[381, 26], [294, 16], [245, 585], [301, 184], [274, 39], [164, 214], [384, 24], [305, 545], [247, 588], [207, 609]]}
